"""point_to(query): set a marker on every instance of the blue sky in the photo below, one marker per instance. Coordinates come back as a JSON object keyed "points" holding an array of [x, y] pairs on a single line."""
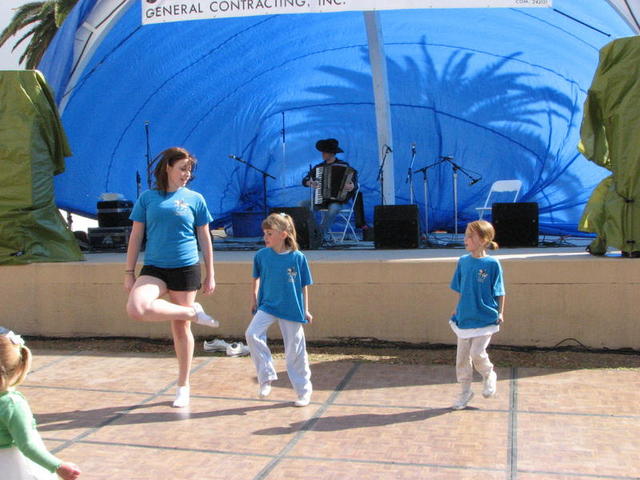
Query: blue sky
{"points": [[8, 60]]}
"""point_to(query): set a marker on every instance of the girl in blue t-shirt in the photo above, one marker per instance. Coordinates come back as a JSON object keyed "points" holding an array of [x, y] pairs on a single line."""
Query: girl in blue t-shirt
{"points": [[281, 278], [479, 313], [175, 220]]}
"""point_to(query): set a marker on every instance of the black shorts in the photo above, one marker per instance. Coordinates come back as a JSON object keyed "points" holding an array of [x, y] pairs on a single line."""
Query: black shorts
{"points": [[182, 279]]}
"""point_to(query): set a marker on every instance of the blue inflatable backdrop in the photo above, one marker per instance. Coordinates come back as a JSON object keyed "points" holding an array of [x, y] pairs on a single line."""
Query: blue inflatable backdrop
{"points": [[500, 90]]}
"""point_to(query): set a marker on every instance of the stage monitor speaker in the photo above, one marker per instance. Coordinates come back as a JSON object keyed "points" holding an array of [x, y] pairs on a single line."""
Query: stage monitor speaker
{"points": [[114, 213], [516, 224], [307, 230], [396, 226]]}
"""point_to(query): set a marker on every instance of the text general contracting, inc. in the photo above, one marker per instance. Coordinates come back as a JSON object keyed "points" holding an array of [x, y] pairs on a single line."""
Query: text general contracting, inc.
{"points": [[157, 11], [232, 6]]}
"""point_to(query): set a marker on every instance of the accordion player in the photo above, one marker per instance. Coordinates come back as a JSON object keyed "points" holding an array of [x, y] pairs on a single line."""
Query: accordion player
{"points": [[332, 182]]}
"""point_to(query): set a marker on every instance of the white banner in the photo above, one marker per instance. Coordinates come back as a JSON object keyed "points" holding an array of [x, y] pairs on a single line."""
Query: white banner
{"points": [[159, 11]]}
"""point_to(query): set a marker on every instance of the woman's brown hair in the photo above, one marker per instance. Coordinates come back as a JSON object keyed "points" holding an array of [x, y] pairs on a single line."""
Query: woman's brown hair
{"points": [[282, 223], [166, 159]]}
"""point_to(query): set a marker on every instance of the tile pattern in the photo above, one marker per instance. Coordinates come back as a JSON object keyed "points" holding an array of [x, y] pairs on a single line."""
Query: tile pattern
{"points": [[112, 415]]}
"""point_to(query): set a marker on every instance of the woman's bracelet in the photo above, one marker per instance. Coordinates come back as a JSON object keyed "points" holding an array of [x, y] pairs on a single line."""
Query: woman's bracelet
{"points": [[129, 271]]}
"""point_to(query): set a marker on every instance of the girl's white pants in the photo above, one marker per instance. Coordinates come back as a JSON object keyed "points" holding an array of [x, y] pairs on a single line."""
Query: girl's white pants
{"points": [[295, 351], [472, 352]]}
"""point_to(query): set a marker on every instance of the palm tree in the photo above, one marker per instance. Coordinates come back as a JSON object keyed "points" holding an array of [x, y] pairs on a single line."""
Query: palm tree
{"points": [[43, 19]]}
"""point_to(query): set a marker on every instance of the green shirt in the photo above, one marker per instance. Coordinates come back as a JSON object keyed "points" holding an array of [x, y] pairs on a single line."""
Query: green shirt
{"points": [[18, 428]]}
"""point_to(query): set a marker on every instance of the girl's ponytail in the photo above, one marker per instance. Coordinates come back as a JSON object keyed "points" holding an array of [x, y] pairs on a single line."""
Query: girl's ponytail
{"points": [[23, 366], [15, 360]]}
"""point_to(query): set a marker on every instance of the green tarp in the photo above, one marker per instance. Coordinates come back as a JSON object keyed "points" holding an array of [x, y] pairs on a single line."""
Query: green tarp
{"points": [[33, 147], [610, 137]]}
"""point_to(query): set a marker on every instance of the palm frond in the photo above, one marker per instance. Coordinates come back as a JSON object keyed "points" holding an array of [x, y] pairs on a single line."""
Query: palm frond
{"points": [[25, 15], [44, 18]]}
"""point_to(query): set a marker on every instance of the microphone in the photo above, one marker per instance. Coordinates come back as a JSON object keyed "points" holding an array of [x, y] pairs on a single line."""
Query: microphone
{"points": [[474, 181], [234, 157], [413, 148]]}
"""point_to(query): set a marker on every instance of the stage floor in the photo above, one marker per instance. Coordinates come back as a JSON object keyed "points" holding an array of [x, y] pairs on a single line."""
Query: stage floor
{"points": [[242, 251], [111, 414]]}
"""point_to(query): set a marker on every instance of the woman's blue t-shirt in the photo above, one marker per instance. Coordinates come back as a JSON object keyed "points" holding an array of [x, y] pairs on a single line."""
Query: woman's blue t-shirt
{"points": [[170, 224], [479, 281], [282, 278]]}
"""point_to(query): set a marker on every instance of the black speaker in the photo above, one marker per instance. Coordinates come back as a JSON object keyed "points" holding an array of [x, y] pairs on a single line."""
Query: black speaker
{"points": [[516, 224], [109, 238], [307, 230], [114, 213], [396, 226]]}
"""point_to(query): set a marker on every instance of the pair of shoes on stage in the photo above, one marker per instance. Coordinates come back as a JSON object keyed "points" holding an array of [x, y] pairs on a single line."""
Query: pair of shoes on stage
{"points": [[235, 349], [202, 318], [215, 345], [182, 397]]}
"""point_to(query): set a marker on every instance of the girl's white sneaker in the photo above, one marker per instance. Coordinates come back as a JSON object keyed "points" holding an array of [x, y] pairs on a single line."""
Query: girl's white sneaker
{"points": [[463, 400], [215, 345], [264, 389], [489, 385], [182, 397], [303, 401], [202, 318]]}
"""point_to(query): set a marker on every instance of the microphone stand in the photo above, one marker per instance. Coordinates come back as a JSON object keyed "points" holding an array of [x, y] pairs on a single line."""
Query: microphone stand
{"points": [[284, 150], [410, 174], [423, 170], [455, 168], [138, 184], [312, 192], [264, 180], [381, 173], [149, 161]]}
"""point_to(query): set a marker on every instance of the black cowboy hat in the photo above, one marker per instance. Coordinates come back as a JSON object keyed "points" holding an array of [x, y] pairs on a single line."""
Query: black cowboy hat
{"points": [[329, 145]]}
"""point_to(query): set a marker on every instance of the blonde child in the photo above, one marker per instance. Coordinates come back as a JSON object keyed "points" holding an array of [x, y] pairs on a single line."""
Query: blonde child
{"points": [[23, 455], [479, 313], [281, 278]]}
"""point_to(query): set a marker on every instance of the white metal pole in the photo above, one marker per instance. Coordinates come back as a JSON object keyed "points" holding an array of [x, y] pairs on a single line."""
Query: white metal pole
{"points": [[378, 61], [455, 202]]}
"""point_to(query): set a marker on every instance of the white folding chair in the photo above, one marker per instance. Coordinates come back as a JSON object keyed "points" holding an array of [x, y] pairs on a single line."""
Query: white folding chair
{"points": [[345, 215], [500, 186]]}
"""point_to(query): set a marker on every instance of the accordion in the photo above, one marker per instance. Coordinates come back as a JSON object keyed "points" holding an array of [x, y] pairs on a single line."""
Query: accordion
{"points": [[333, 179]]}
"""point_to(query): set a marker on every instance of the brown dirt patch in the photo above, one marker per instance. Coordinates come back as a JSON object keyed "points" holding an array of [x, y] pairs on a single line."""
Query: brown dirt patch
{"points": [[368, 351]]}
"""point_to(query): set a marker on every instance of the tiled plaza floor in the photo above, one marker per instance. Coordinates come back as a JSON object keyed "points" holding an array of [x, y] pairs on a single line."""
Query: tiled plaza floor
{"points": [[112, 415]]}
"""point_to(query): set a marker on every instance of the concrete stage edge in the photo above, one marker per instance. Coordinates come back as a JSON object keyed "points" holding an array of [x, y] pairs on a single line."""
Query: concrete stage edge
{"points": [[395, 295]]}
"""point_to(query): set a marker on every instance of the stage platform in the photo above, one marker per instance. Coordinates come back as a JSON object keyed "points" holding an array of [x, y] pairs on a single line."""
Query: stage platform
{"points": [[553, 294]]}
